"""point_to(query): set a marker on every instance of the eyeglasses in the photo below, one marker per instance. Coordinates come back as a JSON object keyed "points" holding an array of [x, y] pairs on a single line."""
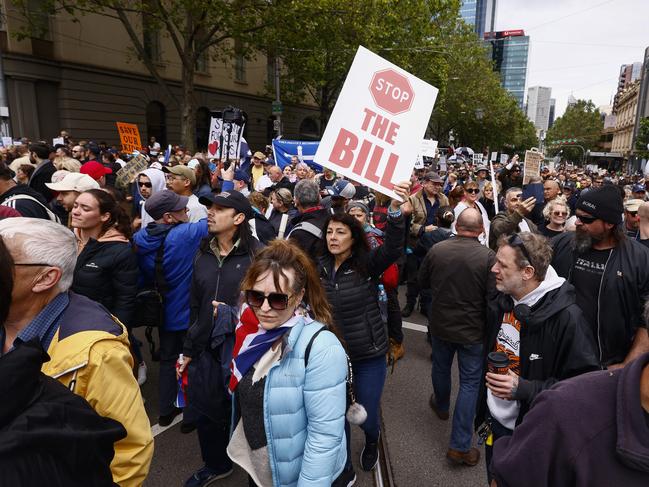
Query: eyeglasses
{"points": [[277, 301], [560, 213], [472, 190], [33, 264], [586, 219], [516, 241], [144, 185]]}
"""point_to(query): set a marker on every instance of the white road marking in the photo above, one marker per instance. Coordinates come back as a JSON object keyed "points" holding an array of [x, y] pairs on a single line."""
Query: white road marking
{"points": [[414, 326], [156, 429]]}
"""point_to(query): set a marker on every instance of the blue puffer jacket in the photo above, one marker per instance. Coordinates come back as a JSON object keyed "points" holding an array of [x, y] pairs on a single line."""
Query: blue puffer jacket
{"points": [[181, 243], [304, 410]]}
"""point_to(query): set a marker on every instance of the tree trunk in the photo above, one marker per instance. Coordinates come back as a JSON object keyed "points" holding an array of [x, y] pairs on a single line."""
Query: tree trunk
{"points": [[188, 112]]}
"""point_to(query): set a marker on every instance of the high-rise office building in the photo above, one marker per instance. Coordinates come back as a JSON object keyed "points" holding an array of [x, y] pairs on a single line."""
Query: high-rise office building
{"points": [[553, 107], [481, 14], [509, 52], [538, 106]]}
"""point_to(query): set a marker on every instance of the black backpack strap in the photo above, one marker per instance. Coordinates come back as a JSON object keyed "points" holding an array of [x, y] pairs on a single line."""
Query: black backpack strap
{"points": [[307, 352], [159, 281]]}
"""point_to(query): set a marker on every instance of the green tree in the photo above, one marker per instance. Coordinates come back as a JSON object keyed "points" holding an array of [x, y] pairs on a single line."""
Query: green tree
{"points": [[316, 42], [581, 121], [642, 141], [195, 27]]}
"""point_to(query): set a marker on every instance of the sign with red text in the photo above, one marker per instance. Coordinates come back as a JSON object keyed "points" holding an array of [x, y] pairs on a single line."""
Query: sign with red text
{"points": [[376, 129], [129, 136]]}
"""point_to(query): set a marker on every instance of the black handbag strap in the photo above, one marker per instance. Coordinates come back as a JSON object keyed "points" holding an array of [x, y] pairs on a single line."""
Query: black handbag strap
{"points": [[159, 281]]}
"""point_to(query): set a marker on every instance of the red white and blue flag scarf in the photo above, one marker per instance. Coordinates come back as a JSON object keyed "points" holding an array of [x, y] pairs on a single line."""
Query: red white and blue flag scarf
{"points": [[252, 341]]}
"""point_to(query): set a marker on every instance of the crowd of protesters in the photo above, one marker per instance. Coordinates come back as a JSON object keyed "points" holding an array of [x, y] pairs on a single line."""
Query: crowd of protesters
{"points": [[275, 295]]}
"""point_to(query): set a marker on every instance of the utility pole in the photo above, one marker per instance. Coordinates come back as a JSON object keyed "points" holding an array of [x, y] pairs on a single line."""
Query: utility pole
{"points": [[277, 105]]}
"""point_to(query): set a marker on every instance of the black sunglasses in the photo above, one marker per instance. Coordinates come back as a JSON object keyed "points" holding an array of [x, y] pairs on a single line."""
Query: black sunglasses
{"points": [[473, 190], [145, 185], [586, 219], [516, 241], [277, 301]]}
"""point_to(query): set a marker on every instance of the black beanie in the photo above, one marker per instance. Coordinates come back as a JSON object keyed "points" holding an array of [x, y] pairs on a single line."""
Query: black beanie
{"points": [[604, 203]]}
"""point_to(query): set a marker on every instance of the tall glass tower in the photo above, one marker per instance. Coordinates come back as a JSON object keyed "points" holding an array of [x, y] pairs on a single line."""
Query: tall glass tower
{"points": [[481, 14], [509, 51]]}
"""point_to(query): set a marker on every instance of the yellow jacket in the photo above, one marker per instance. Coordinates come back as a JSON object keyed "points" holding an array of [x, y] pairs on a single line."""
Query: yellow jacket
{"points": [[90, 355]]}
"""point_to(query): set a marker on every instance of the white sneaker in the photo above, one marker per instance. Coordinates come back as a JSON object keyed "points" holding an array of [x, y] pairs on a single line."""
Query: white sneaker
{"points": [[141, 373]]}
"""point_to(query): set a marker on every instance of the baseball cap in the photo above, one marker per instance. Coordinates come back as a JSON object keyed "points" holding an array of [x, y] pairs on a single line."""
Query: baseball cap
{"points": [[164, 201], [632, 205], [95, 170], [259, 155], [74, 181], [638, 188], [434, 177], [342, 189], [241, 175], [570, 185], [229, 199], [481, 168], [183, 171], [193, 163]]}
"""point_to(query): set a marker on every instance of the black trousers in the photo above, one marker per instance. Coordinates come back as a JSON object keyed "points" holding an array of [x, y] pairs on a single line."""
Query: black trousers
{"points": [[171, 345], [395, 324]]}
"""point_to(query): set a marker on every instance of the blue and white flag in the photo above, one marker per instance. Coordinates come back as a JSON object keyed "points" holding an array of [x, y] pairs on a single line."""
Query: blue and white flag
{"points": [[167, 155], [283, 150]]}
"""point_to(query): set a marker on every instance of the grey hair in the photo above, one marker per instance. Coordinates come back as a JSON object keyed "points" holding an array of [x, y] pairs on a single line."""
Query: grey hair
{"points": [[558, 201], [302, 165], [307, 193], [44, 241], [512, 190]]}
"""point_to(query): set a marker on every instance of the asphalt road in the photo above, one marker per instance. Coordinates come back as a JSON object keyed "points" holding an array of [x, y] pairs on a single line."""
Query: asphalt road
{"points": [[417, 440]]}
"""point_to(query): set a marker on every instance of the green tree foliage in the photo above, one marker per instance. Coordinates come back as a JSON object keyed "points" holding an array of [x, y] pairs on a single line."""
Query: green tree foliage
{"points": [[581, 121], [642, 140], [195, 27]]}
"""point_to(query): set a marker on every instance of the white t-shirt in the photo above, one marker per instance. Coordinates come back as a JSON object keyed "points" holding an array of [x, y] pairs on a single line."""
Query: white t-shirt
{"points": [[154, 149], [196, 211]]}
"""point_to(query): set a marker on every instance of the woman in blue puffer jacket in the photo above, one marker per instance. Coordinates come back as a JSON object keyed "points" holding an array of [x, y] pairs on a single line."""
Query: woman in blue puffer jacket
{"points": [[288, 376]]}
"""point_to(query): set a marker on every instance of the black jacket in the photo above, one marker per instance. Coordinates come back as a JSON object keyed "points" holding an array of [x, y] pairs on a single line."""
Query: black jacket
{"points": [[458, 273], [27, 207], [307, 241], [49, 435], [263, 229], [354, 296], [554, 334], [275, 220], [212, 281], [624, 290], [107, 272], [41, 175], [282, 183]]}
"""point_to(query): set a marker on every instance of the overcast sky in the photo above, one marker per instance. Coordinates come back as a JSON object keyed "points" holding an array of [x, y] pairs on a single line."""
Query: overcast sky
{"points": [[578, 46]]}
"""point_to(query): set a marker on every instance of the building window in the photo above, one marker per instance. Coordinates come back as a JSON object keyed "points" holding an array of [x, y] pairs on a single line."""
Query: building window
{"points": [[151, 41], [309, 129], [156, 123], [203, 119], [39, 18], [239, 62], [202, 62]]}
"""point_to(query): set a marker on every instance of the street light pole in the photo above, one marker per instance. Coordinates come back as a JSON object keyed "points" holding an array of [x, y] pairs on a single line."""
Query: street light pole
{"points": [[278, 117]]}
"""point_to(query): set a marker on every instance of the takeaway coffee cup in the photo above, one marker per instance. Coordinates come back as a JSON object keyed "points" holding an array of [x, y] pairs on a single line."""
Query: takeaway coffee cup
{"points": [[498, 363]]}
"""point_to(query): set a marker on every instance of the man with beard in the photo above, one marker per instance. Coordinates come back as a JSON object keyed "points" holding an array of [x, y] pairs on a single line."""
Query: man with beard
{"points": [[610, 273]]}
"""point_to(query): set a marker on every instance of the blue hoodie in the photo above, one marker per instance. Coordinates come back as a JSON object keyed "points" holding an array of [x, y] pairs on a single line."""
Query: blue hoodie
{"points": [[181, 243]]}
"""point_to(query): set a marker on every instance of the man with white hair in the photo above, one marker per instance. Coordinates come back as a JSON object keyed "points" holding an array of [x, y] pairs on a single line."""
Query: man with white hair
{"points": [[88, 348]]}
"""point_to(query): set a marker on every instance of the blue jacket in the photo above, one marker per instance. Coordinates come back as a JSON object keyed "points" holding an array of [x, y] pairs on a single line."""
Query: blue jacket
{"points": [[304, 410], [181, 245]]}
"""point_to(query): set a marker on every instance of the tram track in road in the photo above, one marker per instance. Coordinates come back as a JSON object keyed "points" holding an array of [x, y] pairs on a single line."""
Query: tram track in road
{"points": [[383, 472]]}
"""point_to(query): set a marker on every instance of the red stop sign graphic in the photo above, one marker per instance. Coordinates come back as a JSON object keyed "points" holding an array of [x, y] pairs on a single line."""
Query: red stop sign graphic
{"points": [[392, 91]]}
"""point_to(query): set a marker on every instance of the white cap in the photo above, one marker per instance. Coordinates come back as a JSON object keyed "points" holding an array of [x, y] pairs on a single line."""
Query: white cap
{"points": [[74, 182], [193, 163]]}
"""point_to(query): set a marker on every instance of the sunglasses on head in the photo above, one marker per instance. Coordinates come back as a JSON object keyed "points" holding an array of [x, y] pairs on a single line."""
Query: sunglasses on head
{"points": [[516, 241], [277, 301], [586, 219], [144, 184], [473, 190]]}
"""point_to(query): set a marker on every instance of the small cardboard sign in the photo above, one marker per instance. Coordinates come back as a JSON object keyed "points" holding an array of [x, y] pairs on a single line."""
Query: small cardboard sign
{"points": [[129, 136], [7, 141], [494, 157], [58, 141], [477, 159], [429, 147], [127, 174], [504, 158], [377, 126], [228, 133], [532, 165]]}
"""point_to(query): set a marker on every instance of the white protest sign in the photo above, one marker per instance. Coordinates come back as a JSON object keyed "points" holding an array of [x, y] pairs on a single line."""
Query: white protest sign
{"points": [[419, 163], [428, 147], [7, 141], [494, 157], [228, 133], [532, 165], [477, 159], [504, 158], [494, 185], [58, 141], [378, 124]]}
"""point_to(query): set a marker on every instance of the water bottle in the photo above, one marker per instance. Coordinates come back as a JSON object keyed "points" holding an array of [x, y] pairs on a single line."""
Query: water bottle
{"points": [[383, 303]]}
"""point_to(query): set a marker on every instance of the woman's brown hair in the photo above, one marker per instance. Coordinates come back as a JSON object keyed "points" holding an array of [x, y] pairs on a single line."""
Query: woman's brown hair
{"points": [[118, 217], [280, 255]]}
